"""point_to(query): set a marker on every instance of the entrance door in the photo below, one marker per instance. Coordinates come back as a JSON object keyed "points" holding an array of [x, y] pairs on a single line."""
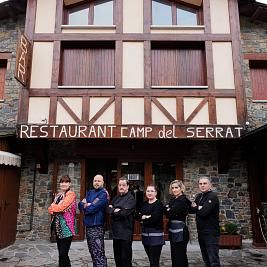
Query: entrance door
{"points": [[162, 175], [9, 192], [135, 173], [142, 173]]}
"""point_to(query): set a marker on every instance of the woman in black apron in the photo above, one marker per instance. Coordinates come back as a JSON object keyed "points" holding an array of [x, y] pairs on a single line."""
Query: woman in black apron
{"points": [[151, 217], [176, 211]]}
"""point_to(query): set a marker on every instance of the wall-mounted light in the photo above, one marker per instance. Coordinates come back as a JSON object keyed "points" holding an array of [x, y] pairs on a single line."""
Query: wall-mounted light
{"points": [[43, 120]]}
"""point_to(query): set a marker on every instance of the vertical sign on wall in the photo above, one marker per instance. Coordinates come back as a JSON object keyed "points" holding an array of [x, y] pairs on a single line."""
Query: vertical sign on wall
{"points": [[24, 51]]}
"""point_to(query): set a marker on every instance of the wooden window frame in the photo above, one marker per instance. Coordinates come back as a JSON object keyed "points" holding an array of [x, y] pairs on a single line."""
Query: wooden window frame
{"points": [[90, 5], [176, 46], [83, 45], [177, 4], [253, 65], [3, 68]]}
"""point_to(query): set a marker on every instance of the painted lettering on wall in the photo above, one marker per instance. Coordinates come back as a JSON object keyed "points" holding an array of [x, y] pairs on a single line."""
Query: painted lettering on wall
{"points": [[128, 131]]}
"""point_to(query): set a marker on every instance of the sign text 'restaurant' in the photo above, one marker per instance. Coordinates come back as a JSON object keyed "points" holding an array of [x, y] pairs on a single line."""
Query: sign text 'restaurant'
{"points": [[127, 131]]}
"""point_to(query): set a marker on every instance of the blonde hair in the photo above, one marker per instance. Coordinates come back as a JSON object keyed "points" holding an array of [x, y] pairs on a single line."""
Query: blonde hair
{"points": [[179, 183]]}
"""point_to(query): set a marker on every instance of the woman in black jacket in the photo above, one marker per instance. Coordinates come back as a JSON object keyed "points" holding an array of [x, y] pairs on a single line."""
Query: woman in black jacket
{"points": [[151, 217], [176, 211]]}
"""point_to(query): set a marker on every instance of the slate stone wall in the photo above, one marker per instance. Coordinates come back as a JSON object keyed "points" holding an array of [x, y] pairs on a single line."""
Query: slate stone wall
{"points": [[9, 32], [254, 40]]}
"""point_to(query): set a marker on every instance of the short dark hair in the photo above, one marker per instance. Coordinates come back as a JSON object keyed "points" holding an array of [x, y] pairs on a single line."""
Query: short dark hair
{"points": [[124, 179], [152, 185], [65, 179]]}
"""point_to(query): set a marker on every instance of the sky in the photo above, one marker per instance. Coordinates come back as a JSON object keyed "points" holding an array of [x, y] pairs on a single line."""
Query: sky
{"points": [[1, 1]]}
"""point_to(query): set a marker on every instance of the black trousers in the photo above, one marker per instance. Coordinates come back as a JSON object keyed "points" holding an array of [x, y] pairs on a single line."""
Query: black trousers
{"points": [[122, 252], [63, 246], [153, 253], [209, 246], [179, 254]]}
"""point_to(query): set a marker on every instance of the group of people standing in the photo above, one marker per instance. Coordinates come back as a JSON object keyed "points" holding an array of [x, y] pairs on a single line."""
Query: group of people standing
{"points": [[122, 209]]}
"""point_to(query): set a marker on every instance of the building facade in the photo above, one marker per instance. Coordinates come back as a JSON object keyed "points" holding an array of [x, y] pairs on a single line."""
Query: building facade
{"points": [[148, 89], [12, 20], [254, 49]]}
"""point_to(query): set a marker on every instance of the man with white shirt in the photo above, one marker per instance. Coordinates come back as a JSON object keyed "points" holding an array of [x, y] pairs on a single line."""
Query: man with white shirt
{"points": [[206, 208]]}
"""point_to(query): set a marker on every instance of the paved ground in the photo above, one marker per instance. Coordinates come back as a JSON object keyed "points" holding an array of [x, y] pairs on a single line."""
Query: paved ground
{"points": [[43, 253]]}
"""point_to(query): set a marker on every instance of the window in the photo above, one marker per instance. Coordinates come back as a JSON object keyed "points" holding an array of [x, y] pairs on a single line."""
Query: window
{"points": [[3, 65], [178, 64], [170, 13], [93, 13], [186, 16], [161, 13], [88, 64], [258, 73], [103, 13], [79, 15]]}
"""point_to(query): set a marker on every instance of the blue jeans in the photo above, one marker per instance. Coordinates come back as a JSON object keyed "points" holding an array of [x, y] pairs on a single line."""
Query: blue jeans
{"points": [[209, 246]]}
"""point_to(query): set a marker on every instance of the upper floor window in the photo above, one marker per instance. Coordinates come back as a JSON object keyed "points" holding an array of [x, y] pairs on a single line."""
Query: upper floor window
{"points": [[3, 65], [88, 64], [186, 16], [98, 12], [178, 64], [103, 13], [161, 13], [258, 73], [170, 13], [79, 15]]}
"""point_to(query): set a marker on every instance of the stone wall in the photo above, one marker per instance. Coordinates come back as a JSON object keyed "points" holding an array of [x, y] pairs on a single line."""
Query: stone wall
{"points": [[232, 187], [9, 30], [202, 160], [35, 195], [254, 40]]}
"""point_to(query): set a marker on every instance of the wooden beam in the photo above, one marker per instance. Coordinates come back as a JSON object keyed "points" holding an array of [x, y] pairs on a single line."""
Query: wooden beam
{"points": [[118, 110], [163, 110], [212, 110], [148, 112], [196, 110], [102, 110], [52, 110], [130, 92], [85, 109], [69, 110], [180, 109], [255, 56], [56, 64]]}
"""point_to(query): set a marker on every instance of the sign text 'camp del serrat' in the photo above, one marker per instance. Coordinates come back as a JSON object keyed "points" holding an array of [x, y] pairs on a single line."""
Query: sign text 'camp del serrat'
{"points": [[128, 131]]}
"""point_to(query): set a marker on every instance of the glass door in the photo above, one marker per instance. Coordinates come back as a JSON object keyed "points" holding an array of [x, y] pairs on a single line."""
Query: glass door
{"points": [[134, 172], [162, 175]]}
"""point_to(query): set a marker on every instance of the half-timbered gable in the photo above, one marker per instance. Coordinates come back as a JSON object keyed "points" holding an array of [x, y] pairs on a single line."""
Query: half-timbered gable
{"points": [[181, 53]]}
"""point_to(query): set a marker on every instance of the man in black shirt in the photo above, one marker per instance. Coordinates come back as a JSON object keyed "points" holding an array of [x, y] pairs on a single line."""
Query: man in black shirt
{"points": [[206, 208], [122, 209]]}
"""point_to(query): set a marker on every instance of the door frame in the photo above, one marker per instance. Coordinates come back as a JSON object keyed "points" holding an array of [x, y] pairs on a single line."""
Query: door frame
{"points": [[148, 180]]}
